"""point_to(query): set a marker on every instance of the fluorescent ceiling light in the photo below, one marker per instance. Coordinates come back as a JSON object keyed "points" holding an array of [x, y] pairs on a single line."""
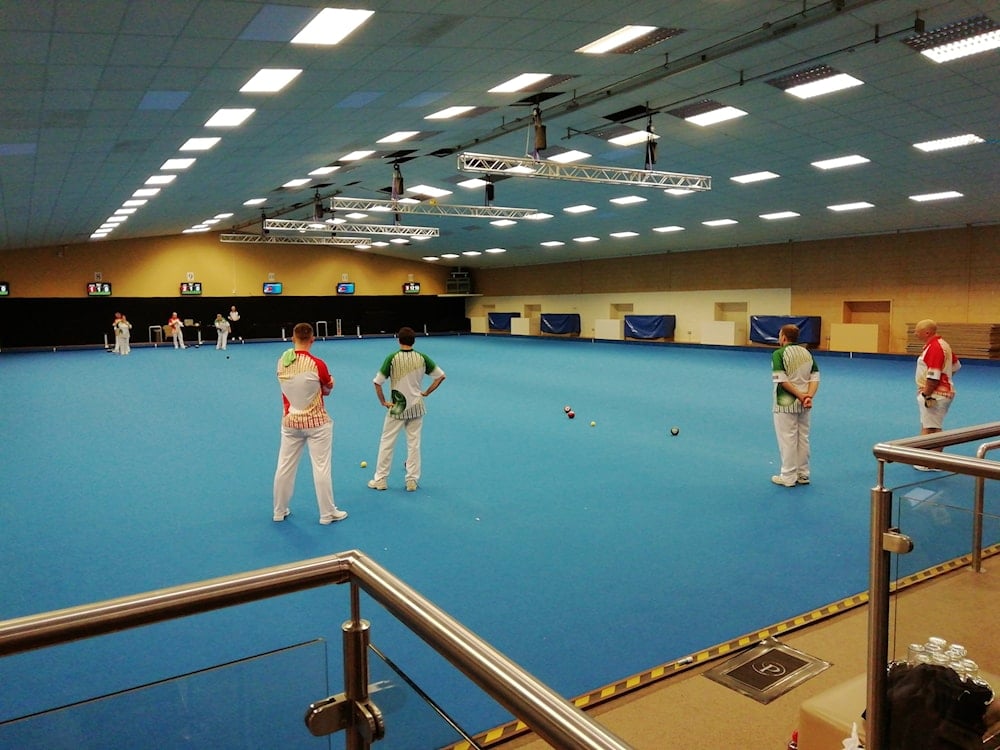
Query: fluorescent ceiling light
{"points": [[588, 238], [209, 222], [161, 179], [553, 243], [115, 219], [580, 209], [621, 235], [471, 253], [838, 82], [331, 25], [633, 138], [503, 222], [936, 196], [814, 81], [448, 113], [431, 192], [449, 256], [779, 215], [410, 201], [255, 201], [125, 211], [957, 141], [297, 182], [321, 171], [754, 177], [716, 116], [383, 243], [356, 215], [569, 156], [420, 238], [857, 205], [517, 83], [270, 80], [495, 250], [474, 182], [135, 203], [520, 169], [719, 222], [673, 228], [399, 135], [356, 155], [627, 200], [538, 216], [678, 191], [615, 39], [145, 192], [229, 117], [969, 36], [964, 48], [199, 144], [430, 258], [195, 230], [400, 241], [177, 163], [841, 161], [225, 215]]}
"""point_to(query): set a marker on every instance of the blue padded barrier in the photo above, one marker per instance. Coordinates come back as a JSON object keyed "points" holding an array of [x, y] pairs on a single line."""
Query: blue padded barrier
{"points": [[500, 321], [764, 329], [560, 323], [650, 326]]}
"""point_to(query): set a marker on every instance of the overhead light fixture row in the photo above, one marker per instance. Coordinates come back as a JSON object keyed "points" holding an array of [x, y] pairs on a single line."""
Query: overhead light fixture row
{"points": [[815, 81]]}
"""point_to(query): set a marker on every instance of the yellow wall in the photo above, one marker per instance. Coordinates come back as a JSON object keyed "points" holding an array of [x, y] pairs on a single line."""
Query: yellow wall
{"points": [[948, 275], [155, 267]]}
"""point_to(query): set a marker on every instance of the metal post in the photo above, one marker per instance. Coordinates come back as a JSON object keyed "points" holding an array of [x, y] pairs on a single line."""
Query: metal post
{"points": [[364, 727], [359, 331], [105, 341], [877, 731], [977, 511], [283, 337], [425, 330], [340, 331]]}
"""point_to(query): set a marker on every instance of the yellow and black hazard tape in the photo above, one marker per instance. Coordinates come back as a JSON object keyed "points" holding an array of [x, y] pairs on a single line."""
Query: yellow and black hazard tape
{"points": [[509, 731]]}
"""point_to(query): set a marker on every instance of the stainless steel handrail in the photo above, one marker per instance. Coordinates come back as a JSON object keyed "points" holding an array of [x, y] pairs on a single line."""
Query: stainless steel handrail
{"points": [[917, 450], [548, 714]]}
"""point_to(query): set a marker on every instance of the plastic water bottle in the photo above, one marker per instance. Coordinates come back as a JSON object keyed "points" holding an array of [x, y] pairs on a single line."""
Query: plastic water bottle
{"points": [[793, 743]]}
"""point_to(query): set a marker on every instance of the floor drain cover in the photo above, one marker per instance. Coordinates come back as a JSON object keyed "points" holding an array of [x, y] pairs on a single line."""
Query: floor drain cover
{"points": [[767, 670]]}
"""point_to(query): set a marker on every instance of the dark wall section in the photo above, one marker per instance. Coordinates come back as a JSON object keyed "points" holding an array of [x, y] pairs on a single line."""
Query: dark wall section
{"points": [[70, 322]]}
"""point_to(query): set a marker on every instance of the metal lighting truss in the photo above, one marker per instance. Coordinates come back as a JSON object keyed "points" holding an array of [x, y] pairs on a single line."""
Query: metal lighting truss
{"points": [[438, 209], [287, 225], [513, 166], [295, 239]]}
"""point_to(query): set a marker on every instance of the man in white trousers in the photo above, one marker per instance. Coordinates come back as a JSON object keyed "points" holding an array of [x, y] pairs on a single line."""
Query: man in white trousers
{"points": [[305, 381], [795, 375], [405, 369]]}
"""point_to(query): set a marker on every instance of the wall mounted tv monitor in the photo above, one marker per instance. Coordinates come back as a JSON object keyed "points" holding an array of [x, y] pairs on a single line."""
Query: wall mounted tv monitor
{"points": [[411, 287], [4, 289], [345, 287], [98, 289], [190, 287], [272, 287]]}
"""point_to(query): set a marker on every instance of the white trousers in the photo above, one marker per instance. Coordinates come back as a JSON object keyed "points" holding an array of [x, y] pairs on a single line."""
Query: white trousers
{"points": [[390, 432], [932, 417], [792, 431], [122, 345], [320, 443], [179, 340], [221, 343]]}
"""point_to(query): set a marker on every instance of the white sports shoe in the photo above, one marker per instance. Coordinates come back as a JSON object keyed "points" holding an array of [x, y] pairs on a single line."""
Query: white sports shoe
{"points": [[781, 482], [378, 484], [411, 485], [338, 515]]}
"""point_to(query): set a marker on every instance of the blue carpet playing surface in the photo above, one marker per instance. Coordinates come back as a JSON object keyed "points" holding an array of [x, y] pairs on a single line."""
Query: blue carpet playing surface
{"points": [[585, 553]]}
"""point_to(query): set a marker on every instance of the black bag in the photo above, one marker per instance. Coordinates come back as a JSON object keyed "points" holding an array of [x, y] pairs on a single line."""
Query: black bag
{"points": [[931, 708]]}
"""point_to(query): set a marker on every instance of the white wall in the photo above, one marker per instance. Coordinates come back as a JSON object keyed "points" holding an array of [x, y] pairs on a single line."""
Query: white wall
{"points": [[691, 308]]}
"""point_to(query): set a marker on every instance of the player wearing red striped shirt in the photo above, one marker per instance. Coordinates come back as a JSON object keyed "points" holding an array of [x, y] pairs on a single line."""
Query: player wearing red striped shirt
{"points": [[305, 380]]}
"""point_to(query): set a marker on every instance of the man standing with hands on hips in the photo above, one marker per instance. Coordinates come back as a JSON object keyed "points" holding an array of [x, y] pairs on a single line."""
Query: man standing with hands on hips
{"points": [[405, 369], [796, 379], [935, 367]]}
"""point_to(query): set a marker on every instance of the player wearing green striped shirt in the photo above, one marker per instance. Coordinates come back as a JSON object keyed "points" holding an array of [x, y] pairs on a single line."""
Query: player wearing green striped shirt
{"points": [[795, 375], [405, 371]]}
